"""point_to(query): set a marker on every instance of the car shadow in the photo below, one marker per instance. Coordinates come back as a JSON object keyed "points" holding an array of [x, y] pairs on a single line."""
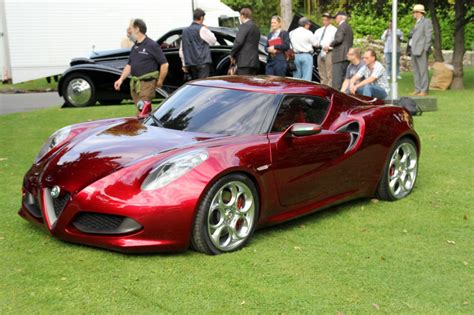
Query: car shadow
{"points": [[261, 235], [318, 215], [155, 102]]}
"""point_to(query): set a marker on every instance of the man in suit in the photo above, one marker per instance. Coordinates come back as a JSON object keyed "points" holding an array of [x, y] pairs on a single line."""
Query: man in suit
{"points": [[420, 44], [343, 40], [324, 36], [245, 49]]}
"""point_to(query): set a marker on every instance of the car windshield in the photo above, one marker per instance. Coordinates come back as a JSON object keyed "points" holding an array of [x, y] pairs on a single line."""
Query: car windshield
{"points": [[213, 110]]}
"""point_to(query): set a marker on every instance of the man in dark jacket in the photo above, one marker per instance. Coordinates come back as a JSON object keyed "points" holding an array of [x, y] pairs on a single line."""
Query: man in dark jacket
{"points": [[195, 51], [343, 40], [245, 50]]}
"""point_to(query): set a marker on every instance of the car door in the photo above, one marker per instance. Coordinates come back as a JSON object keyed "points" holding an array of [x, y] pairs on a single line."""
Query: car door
{"points": [[306, 168], [170, 44]]}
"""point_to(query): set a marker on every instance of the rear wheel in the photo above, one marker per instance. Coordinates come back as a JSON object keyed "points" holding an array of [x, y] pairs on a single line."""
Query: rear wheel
{"points": [[79, 90], [400, 171], [227, 216]]}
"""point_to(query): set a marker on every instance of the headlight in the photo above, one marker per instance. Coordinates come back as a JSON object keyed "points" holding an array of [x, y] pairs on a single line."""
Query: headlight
{"points": [[55, 139], [173, 168]]}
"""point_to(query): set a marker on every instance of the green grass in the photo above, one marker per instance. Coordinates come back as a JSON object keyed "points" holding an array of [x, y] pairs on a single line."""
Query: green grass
{"points": [[361, 257], [38, 85]]}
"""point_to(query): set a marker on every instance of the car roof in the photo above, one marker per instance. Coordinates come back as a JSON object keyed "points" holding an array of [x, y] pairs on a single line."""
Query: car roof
{"points": [[226, 31], [219, 29], [264, 84]]}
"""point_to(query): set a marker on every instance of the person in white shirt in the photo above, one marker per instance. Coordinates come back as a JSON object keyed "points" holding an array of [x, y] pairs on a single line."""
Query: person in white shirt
{"points": [[302, 41], [388, 50], [375, 83], [324, 37]]}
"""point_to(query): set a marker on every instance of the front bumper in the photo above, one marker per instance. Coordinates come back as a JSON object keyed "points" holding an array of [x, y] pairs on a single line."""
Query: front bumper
{"points": [[107, 216]]}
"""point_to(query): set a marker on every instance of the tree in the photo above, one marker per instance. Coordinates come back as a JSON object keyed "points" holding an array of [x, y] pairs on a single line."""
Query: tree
{"points": [[437, 51], [263, 10], [286, 13], [464, 14], [461, 8]]}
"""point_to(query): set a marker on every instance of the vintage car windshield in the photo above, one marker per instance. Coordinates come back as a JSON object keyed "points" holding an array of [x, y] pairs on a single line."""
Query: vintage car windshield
{"points": [[213, 110]]}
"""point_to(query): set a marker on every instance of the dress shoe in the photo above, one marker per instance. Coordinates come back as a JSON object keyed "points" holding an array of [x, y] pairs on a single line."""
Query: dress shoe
{"points": [[414, 93], [422, 94]]}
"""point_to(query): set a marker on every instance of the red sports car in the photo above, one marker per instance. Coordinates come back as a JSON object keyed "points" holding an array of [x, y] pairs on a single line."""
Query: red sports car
{"points": [[218, 159]]}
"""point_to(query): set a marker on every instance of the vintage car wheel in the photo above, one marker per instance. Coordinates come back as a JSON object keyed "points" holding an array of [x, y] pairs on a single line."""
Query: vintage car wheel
{"points": [[400, 171], [79, 91], [227, 216]]}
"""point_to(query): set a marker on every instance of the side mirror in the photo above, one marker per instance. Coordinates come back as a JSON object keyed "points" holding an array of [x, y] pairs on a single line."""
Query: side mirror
{"points": [[144, 109], [304, 129]]}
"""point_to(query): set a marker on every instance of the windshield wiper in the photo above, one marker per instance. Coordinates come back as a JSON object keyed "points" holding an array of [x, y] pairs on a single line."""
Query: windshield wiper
{"points": [[156, 121]]}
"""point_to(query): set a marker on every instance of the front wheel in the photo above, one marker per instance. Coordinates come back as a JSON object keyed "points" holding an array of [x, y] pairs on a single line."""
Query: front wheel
{"points": [[227, 216], [79, 90], [400, 171]]}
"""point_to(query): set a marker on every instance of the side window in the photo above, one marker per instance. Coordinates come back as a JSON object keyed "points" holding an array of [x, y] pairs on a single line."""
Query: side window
{"points": [[223, 40], [173, 41], [300, 109]]}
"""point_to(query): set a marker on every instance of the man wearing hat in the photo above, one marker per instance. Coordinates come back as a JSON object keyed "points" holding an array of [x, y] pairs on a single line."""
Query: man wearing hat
{"points": [[420, 44], [343, 40], [324, 37], [302, 41]]}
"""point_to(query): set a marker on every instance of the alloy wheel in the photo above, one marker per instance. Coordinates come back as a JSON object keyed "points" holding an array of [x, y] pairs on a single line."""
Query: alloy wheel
{"points": [[231, 216], [402, 170]]}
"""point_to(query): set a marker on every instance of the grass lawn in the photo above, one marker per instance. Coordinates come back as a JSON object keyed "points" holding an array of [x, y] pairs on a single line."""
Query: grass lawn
{"points": [[411, 256], [32, 86]]}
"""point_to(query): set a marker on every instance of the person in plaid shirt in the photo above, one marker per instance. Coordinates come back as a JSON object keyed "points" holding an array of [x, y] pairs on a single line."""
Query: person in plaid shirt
{"points": [[375, 83]]}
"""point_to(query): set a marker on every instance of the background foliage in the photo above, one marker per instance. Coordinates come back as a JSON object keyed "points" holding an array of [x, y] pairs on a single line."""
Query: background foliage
{"points": [[367, 18], [263, 10]]}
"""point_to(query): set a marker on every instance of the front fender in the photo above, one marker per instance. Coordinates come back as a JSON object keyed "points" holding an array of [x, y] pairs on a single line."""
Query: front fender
{"points": [[93, 70]]}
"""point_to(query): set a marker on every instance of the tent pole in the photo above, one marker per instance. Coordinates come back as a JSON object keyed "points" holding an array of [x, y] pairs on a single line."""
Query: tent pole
{"points": [[394, 51]]}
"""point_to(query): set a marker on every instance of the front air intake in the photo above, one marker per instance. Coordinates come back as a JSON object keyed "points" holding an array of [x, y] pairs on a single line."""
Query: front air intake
{"points": [[100, 223]]}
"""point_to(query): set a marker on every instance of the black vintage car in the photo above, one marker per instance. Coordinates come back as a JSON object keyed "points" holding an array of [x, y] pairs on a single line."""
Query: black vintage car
{"points": [[89, 80]]}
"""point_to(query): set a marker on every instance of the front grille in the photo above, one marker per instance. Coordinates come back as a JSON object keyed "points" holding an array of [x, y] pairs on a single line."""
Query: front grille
{"points": [[60, 202], [99, 223], [32, 205]]}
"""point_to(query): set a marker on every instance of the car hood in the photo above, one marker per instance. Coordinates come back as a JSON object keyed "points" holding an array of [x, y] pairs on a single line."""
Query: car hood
{"points": [[110, 53], [90, 156]]}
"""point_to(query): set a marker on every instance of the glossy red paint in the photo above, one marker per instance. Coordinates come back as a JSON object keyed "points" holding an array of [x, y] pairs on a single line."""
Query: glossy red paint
{"points": [[103, 166]]}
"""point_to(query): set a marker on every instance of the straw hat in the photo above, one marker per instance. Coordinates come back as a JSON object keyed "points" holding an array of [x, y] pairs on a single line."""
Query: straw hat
{"points": [[419, 8]]}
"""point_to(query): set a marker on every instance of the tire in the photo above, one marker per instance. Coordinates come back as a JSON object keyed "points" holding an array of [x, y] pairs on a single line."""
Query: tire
{"points": [[220, 226], [79, 90], [400, 171]]}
